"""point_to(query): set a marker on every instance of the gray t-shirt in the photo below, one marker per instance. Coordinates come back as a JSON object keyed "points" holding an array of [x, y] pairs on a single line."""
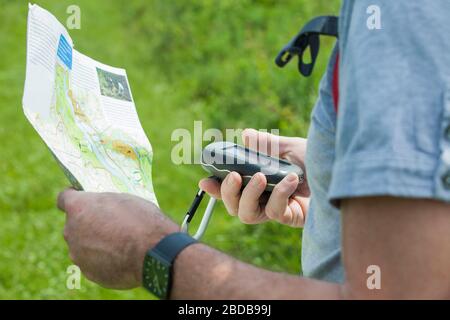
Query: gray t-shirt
{"points": [[391, 135]]}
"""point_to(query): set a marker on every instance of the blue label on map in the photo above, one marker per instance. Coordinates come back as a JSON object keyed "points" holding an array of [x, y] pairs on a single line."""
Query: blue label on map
{"points": [[65, 52]]}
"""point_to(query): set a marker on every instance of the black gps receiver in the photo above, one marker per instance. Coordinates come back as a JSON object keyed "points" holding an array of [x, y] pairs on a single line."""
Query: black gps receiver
{"points": [[221, 158]]}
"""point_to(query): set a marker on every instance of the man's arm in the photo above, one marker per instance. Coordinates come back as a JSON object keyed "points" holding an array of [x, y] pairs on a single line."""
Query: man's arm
{"points": [[408, 239], [204, 273]]}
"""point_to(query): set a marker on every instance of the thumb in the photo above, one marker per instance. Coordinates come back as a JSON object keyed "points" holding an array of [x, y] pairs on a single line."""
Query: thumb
{"points": [[211, 187], [265, 142], [67, 199]]}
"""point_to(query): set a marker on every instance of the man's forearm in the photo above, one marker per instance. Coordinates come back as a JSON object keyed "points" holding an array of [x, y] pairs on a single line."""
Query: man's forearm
{"points": [[204, 273], [377, 231]]}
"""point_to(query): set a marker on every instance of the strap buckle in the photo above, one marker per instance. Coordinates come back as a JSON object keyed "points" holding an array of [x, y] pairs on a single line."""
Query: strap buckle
{"points": [[308, 37]]}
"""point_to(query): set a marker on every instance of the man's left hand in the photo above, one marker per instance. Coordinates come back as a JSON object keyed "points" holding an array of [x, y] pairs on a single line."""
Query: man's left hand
{"points": [[108, 234]]}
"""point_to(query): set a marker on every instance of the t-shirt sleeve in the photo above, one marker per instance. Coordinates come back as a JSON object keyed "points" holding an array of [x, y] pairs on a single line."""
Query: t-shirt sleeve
{"points": [[393, 123]]}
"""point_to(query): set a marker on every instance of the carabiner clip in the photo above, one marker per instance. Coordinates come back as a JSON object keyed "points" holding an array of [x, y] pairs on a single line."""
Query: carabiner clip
{"points": [[206, 215]]}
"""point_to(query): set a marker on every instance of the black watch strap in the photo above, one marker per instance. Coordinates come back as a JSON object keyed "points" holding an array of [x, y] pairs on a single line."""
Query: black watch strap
{"points": [[158, 263], [171, 245]]}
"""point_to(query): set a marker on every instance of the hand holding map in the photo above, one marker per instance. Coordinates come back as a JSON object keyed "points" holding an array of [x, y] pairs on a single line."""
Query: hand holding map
{"points": [[85, 113]]}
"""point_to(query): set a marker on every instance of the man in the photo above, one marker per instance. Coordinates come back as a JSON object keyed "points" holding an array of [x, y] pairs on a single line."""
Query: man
{"points": [[378, 171]]}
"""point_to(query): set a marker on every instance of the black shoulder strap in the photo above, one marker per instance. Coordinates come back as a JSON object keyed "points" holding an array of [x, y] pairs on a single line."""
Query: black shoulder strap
{"points": [[308, 37]]}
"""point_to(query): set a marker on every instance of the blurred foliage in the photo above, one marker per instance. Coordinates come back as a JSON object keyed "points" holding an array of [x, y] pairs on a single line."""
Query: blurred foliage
{"points": [[186, 60]]}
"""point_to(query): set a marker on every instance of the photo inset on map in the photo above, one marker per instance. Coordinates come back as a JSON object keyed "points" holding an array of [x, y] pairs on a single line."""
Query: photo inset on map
{"points": [[113, 85]]}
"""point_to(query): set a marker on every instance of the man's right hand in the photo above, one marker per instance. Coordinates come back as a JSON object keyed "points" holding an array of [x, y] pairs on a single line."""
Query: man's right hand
{"points": [[288, 203]]}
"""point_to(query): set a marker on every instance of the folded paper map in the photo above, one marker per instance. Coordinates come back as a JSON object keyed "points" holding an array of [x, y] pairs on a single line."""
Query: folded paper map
{"points": [[85, 113]]}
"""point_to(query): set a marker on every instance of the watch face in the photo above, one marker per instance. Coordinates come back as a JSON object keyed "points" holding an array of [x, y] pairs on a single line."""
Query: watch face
{"points": [[156, 275]]}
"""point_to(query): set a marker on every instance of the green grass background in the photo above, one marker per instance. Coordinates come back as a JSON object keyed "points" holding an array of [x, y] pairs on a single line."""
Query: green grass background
{"points": [[186, 60]]}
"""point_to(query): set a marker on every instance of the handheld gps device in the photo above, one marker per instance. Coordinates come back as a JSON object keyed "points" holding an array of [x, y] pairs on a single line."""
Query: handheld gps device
{"points": [[221, 158]]}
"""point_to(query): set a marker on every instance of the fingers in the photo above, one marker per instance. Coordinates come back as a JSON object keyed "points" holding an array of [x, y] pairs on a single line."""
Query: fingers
{"points": [[265, 142], [211, 187], [231, 191], [281, 206], [277, 207], [68, 200], [249, 205], [294, 215], [303, 188], [304, 202]]}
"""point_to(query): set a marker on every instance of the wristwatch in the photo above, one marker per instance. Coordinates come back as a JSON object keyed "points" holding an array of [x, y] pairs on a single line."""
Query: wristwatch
{"points": [[158, 263]]}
